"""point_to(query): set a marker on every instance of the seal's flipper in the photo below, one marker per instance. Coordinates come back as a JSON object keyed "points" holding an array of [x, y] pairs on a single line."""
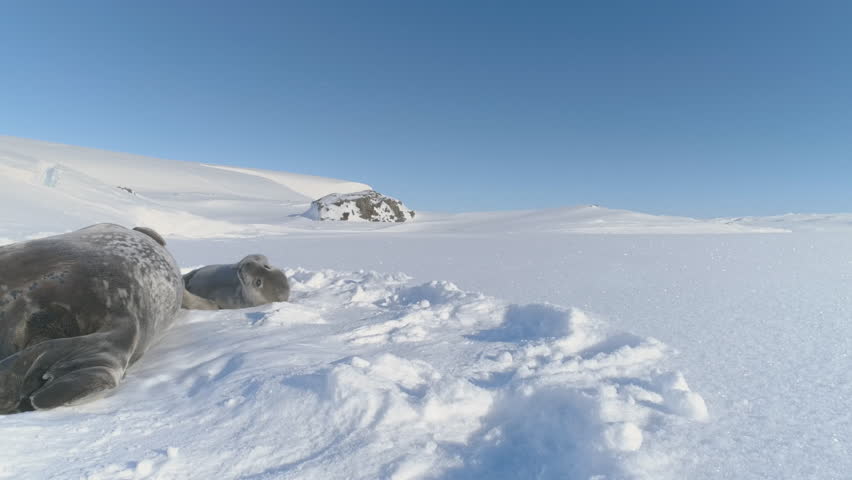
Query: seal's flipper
{"points": [[73, 387], [53, 321], [151, 233], [22, 372], [59, 372], [194, 302]]}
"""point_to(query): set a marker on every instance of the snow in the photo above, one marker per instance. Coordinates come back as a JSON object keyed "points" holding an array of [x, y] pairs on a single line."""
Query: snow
{"points": [[308, 185], [58, 188], [581, 219], [429, 379], [578, 342], [176, 198], [807, 222]]}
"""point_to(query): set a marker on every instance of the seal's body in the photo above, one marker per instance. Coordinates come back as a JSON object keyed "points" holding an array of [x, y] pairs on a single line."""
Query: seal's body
{"points": [[248, 283], [76, 310]]}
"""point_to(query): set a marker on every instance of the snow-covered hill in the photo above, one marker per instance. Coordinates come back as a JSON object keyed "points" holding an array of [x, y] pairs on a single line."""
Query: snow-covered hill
{"points": [[53, 188], [49, 187], [477, 345]]}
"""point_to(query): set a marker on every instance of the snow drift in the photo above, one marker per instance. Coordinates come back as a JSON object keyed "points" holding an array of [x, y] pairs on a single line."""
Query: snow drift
{"points": [[367, 376]]}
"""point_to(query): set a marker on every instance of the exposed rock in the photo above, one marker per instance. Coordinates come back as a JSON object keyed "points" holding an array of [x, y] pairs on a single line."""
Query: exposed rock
{"points": [[367, 205]]}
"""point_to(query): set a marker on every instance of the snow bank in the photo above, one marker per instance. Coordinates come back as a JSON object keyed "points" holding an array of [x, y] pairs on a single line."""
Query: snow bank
{"points": [[367, 376]]}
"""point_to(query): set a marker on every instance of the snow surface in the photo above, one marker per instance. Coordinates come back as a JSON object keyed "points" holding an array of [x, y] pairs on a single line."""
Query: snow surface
{"points": [[366, 375], [54, 188], [308, 185], [587, 354]]}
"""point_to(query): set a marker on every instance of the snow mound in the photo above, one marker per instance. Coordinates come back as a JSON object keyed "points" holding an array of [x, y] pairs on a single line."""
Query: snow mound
{"points": [[367, 376], [367, 205]]}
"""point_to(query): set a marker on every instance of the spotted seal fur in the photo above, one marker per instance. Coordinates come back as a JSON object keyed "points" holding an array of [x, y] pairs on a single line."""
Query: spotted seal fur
{"points": [[76, 310]]}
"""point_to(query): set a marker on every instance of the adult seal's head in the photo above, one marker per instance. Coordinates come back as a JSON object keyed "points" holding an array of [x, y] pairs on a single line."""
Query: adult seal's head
{"points": [[247, 283], [76, 310]]}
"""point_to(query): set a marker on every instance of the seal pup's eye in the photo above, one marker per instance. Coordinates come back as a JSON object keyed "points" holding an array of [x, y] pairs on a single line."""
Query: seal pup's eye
{"points": [[258, 282], [267, 267]]}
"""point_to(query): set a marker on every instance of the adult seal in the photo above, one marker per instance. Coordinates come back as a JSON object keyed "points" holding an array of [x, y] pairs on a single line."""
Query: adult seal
{"points": [[247, 283], [76, 310]]}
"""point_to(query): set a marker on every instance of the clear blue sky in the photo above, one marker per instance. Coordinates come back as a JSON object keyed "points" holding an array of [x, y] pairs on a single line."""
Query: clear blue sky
{"points": [[694, 108]]}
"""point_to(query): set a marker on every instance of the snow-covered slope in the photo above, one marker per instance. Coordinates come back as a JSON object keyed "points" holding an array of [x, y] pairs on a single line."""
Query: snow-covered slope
{"points": [[144, 174], [310, 186], [177, 198], [39, 180]]}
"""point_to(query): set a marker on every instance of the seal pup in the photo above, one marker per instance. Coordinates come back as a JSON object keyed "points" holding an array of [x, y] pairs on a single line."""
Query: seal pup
{"points": [[247, 283], [76, 310]]}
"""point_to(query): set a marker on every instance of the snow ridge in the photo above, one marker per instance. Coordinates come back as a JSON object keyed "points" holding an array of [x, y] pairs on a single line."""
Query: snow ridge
{"points": [[367, 376], [310, 186]]}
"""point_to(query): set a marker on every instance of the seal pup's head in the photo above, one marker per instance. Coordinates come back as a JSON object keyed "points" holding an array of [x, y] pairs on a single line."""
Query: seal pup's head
{"points": [[261, 282]]}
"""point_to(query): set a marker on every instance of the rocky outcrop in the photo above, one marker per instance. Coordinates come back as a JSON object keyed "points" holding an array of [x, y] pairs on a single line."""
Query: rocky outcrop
{"points": [[367, 205]]}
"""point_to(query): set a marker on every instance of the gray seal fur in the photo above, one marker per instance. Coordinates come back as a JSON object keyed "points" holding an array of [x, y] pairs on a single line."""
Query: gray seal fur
{"points": [[247, 283], [190, 301], [76, 310]]}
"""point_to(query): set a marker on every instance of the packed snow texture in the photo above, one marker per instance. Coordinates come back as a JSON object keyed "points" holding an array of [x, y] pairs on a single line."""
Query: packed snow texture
{"points": [[366, 375], [363, 206]]}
